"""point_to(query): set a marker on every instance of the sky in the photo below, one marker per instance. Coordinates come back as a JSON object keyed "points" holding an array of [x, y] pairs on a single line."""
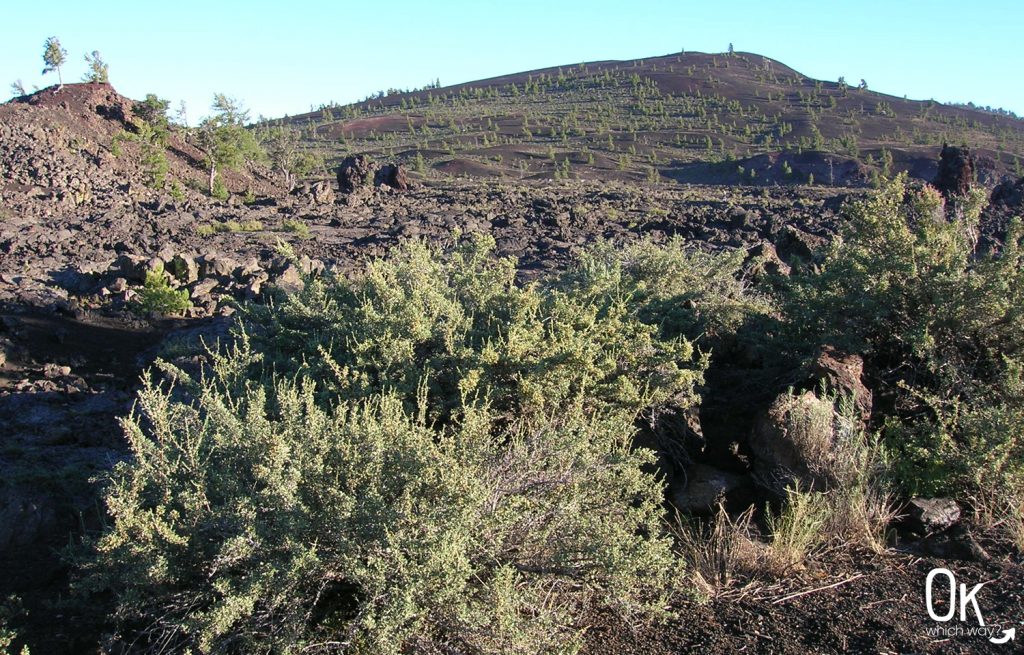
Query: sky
{"points": [[286, 58]]}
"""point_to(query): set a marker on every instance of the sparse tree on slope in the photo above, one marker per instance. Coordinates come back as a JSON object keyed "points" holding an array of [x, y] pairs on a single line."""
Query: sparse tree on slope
{"points": [[282, 147], [99, 71], [17, 88], [181, 114], [153, 110], [54, 56], [223, 138]]}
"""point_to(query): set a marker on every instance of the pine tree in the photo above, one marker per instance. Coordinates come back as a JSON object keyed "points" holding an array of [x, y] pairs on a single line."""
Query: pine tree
{"points": [[17, 88], [99, 71], [223, 138], [54, 57]]}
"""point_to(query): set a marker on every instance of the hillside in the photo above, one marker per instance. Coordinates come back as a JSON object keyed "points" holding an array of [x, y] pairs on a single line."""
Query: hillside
{"points": [[75, 145], [693, 117]]}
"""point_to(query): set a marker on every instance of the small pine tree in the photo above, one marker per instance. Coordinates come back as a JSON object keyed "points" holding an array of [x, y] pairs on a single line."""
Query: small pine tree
{"points": [[54, 56], [99, 71], [17, 88], [732, 51], [223, 139]]}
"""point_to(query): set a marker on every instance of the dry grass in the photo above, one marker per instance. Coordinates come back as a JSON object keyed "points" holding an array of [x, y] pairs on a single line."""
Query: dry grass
{"points": [[210, 229], [861, 515], [1003, 521], [797, 532], [827, 435], [832, 440], [723, 556], [1014, 523]]}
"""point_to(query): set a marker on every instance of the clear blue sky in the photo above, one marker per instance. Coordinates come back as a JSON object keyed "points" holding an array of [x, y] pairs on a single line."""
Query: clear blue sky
{"points": [[283, 57]]}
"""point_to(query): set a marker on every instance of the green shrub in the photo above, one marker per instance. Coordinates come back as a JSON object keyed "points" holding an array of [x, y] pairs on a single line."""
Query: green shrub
{"points": [[473, 334], [152, 147], [425, 458], [941, 325], [296, 227], [219, 191], [177, 193], [10, 608], [210, 229], [797, 530], [157, 296], [690, 293]]}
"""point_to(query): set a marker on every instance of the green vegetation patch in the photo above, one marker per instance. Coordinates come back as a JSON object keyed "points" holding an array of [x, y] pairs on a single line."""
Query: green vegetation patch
{"points": [[426, 455]]}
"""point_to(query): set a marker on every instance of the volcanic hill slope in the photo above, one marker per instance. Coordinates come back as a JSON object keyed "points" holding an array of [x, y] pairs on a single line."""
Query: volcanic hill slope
{"points": [[71, 146], [695, 117], [80, 210]]}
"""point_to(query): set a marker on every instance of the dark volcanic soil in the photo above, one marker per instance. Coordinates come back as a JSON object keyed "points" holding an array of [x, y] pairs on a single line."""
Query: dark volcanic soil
{"points": [[877, 607]]}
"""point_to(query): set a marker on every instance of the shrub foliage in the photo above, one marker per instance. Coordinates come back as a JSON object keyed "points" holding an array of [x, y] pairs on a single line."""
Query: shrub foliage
{"points": [[940, 325], [426, 458], [431, 457], [156, 295]]}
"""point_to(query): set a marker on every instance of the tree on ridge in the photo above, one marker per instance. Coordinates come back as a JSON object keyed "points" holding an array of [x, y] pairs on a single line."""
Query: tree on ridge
{"points": [[54, 56]]}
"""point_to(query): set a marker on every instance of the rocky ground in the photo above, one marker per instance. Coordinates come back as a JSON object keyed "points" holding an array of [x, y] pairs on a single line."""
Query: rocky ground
{"points": [[79, 231]]}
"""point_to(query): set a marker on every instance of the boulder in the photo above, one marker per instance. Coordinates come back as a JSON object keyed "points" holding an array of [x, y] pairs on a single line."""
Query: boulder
{"points": [[354, 172], [740, 218], [841, 373], [315, 193], [393, 176], [213, 264], [924, 516], [155, 264], [185, 268], [796, 247], [251, 268], [290, 280], [793, 441], [131, 267], [203, 288], [25, 517], [704, 489], [311, 267], [1009, 193], [956, 171], [252, 288], [763, 260], [956, 542]]}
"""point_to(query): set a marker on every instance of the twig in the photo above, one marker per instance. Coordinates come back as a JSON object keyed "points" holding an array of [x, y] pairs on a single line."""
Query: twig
{"points": [[811, 591], [884, 600]]}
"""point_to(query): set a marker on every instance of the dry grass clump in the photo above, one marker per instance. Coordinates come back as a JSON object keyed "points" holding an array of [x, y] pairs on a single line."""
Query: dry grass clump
{"points": [[722, 556]]}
